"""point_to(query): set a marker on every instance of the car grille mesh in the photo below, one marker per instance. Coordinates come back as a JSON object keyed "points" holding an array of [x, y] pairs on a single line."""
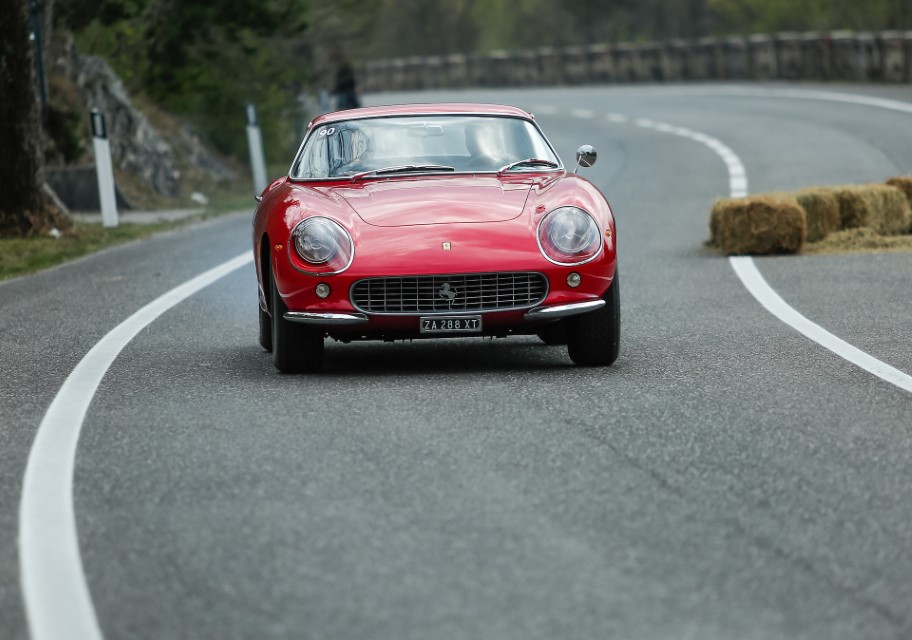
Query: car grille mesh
{"points": [[456, 293]]}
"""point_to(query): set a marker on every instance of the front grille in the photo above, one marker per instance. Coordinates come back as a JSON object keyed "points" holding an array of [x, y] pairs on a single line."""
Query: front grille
{"points": [[454, 293]]}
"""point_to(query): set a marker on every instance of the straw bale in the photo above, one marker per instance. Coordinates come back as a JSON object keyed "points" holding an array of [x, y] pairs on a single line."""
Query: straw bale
{"points": [[758, 225], [821, 206], [882, 207], [904, 184], [858, 240]]}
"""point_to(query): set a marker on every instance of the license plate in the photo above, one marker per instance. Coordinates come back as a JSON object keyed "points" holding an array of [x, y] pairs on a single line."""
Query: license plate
{"points": [[451, 324]]}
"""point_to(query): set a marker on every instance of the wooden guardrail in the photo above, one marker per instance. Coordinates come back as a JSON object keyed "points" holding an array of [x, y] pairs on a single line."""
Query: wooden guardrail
{"points": [[884, 56]]}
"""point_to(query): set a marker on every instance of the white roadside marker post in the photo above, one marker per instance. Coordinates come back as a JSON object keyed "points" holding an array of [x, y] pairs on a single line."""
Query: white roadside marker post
{"points": [[104, 169], [257, 160]]}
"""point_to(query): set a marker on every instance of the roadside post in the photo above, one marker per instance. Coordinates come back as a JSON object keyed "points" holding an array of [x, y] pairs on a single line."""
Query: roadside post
{"points": [[104, 169], [257, 160]]}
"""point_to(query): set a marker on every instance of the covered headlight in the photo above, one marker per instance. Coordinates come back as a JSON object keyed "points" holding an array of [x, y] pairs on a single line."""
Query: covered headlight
{"points": [[323, 244], [569, 235]]}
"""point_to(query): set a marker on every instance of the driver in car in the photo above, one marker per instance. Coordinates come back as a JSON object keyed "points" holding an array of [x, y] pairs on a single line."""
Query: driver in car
{"points": [[483, 144]]}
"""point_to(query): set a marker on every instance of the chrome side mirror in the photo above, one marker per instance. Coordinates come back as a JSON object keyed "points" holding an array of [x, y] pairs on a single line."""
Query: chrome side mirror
{"points": [[586, 156]]}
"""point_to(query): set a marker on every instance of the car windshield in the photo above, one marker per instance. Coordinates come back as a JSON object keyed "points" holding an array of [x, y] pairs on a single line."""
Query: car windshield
{"points": [[422, 144]]}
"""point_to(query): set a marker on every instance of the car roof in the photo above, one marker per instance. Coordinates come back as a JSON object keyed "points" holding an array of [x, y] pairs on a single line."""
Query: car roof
{"points": [[422, 110]]}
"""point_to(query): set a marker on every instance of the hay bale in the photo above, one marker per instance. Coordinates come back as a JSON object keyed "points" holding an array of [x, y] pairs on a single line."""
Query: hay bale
{"points": [[859, 240], [904, 184], [821, 207], [882, 207], [758, 225]]}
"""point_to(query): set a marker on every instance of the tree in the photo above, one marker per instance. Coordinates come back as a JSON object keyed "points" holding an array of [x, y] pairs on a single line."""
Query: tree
{"points": [[206, 60], [23, 210]]}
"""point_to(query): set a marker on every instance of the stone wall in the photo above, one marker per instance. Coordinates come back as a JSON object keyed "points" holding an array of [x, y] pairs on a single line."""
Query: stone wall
{"points": [[827, 56]]}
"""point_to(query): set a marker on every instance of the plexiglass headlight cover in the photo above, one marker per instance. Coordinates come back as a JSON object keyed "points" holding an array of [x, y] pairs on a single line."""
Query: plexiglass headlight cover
{"points": [[323, 244], [569, 236]]}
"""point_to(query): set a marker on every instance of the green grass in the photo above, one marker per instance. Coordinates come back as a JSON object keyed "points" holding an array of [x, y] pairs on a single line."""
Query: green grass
{"points": [[20, 256]]}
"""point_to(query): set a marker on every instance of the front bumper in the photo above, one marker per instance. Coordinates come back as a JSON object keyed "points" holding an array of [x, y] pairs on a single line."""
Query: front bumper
{"points": [[327, 319], [541, 313]]}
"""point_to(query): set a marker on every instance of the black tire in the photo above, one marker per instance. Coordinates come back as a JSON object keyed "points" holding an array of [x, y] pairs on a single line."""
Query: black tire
{"points": [[553, 334], [265, 318], [594, 339], [296, 348], [265, 329]]}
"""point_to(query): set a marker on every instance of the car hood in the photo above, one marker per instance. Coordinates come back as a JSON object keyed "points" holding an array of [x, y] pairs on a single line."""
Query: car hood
{"points": [[436, 200]]}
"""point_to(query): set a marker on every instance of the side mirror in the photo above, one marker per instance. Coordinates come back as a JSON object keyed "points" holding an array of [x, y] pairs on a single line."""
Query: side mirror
{"points": [[586, 156]]}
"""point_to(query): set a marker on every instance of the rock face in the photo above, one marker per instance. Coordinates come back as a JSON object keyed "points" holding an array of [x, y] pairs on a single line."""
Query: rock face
{"points": [[196, 153], [136, 147]]}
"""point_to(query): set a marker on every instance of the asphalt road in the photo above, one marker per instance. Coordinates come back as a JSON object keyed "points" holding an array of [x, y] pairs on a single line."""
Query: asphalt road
{"points": [[727, 478]]}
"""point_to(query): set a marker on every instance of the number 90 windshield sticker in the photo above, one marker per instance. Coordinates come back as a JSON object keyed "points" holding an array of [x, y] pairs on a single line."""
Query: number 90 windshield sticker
{"points": [[327, 132]]}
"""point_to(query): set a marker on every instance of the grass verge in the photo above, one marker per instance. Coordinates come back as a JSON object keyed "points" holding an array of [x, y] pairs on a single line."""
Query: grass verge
{"points": [[21, 256]]}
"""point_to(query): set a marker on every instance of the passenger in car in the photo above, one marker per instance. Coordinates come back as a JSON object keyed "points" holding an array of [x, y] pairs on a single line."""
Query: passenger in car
{"points": [[482, 144]]}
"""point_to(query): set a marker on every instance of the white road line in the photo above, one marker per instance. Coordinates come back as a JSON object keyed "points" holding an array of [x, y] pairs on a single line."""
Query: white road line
{"points": [[57, 600], [772, 92], [765, 295], [544, 109], [617, 118], [753, 281], [582, 113], [737, 176], [826, 96]]}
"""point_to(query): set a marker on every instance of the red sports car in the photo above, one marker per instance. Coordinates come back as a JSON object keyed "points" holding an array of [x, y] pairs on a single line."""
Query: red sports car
{"points": [[433, 221]]}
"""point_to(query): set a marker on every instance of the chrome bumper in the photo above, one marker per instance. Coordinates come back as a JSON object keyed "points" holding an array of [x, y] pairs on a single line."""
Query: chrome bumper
{"points": [[538, 314], [563, 310], [335, 319]]}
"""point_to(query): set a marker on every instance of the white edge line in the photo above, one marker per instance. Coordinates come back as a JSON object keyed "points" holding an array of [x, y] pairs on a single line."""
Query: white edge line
{"points": [[825, 96], [54, 588], [773, 92], [737, 175], [746, 269], [582, 113]]}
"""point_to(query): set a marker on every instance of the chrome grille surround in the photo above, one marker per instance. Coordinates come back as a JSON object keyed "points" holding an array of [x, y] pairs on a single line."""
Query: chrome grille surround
{"points": [[470, 293]]}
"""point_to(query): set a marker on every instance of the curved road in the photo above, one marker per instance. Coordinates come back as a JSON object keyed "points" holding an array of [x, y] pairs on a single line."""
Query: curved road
{"points": [[727, 478]]}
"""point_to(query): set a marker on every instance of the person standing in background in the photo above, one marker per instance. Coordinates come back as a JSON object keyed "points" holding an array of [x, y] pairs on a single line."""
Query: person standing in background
{"points": [[346, 90]]}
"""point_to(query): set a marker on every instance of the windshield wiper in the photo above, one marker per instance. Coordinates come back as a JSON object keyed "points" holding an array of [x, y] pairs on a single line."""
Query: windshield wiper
{"points": [[528, 162], [404, 168]]}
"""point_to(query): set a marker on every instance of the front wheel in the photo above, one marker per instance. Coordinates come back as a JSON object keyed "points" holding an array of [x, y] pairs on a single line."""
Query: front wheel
{"points": [[594, 339], [296, 348]]}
